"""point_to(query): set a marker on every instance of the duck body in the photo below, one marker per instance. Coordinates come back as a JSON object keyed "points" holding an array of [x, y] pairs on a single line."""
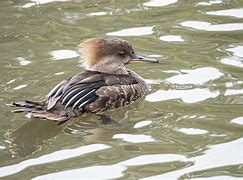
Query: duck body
{"points": [[94, 92], [86, 92], [105, 85]]}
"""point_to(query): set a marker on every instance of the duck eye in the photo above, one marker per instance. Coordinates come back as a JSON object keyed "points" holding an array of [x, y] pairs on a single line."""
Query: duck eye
{"points": [[122, 53]]}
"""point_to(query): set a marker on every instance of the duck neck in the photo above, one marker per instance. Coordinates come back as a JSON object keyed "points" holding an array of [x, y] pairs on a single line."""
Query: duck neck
{"points": [[109, 69]]}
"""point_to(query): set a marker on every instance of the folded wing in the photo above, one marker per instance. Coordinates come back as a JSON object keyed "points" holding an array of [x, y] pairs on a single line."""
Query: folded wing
{"points": [[74, 93]]}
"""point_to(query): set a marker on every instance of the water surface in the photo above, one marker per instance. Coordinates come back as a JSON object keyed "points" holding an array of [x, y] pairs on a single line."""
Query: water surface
{"points": [[190, 125]]}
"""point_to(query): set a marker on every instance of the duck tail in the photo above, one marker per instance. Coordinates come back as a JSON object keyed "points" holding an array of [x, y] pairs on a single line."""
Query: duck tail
{"points": [[25, 106], [36, 110]]}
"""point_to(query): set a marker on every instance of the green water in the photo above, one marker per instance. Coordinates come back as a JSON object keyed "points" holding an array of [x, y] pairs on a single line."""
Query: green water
{"points": [[190, 125]]}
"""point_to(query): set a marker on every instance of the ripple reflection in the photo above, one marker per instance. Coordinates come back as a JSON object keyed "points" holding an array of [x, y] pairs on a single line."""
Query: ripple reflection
{"points": [[38, 2], [236, 59], [238, 13], [211, 158], [158, 3], [206, 26], [172, 38], [134, 138], [137, 31], [114, 170], [63, 54], [209, 3], [192, 131], [184, 95], [23, 61], [238, 120], [196, 76], [52, 157]]}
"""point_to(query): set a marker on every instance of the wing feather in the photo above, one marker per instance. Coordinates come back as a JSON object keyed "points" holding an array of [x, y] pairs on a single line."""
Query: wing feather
{"points": [[55, 89], [84, 98], [75, 97], [92, 99], [68, 96]]}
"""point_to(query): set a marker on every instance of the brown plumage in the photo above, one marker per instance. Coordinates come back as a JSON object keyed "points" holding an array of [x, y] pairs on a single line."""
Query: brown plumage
{"points": [[104, 84]]}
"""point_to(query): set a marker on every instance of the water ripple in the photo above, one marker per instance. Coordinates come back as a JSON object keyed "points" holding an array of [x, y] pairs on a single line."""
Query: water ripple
{"points": [[172, 38], [23, 61], [114, 170], [142, 124], [236, 59], [134, 138], [38, 2], [184, 95], [212, 158], [211, 2], [20, 87], [196, 76], [192, 131], [238, 120], [52, 157], [206, 26], [137, 31], [102, 13], [63, 54], [238, 13], [159, 3]]}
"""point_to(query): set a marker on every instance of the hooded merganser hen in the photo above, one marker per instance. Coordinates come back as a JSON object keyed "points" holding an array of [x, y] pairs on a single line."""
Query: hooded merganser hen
{"points": [[104, 84]]}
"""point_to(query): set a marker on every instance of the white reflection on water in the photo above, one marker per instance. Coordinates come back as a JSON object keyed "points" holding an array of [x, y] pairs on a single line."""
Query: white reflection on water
{"points": [[37, 2], [216, 156], [137, 31], [238, 120], [230, 92], [236, 59], [52, 157], [209, 3], [20, 87], [195, 76], [233, 61], [142, 124], [11, 81], [206, 26], [172, 38], [59, 73], [218, 178], [23, 61], [134, 138], [237, 50], [154, 55], [238, 13], [114, 170], [192, 131], [97, 13], [187, 96], [63, 54], [233, 88], [158, 3], [231, 84], [153, 81]]}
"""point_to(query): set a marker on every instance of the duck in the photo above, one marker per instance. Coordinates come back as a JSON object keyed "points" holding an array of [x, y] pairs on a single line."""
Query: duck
{"points": [[105, 83]]}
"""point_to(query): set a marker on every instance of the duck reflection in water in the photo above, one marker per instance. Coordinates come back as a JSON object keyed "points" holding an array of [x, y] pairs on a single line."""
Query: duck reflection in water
{"points": [[34, 135]]}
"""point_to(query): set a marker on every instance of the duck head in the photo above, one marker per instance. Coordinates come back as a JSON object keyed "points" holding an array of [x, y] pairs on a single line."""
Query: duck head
{"points": [[109, 55]]}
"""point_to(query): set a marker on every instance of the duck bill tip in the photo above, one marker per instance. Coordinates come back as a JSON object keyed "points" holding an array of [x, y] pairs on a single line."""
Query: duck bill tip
{"points": [[140, 59]]}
